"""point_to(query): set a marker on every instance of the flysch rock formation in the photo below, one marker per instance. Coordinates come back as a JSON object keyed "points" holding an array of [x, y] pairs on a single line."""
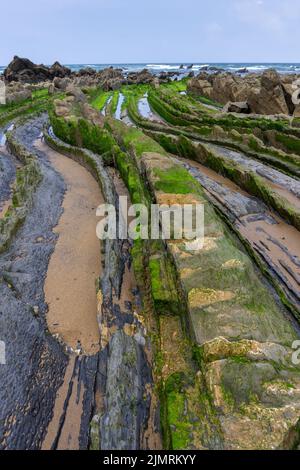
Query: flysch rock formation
{"points": [[196, 340]]}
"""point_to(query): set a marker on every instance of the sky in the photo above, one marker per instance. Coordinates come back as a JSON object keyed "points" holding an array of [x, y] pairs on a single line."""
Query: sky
{"points": [[150, 31]]}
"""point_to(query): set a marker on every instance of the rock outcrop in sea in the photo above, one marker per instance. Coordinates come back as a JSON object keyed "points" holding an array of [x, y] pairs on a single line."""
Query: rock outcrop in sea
{"points": [[25, 71]]}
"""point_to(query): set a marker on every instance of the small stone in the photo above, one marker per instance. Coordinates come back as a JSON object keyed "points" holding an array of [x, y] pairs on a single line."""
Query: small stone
{"points": [[36, 310]]}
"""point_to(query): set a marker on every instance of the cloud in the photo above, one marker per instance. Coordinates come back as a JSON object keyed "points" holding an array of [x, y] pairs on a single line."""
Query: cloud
{"points": [[272, 16], [260, 13]]}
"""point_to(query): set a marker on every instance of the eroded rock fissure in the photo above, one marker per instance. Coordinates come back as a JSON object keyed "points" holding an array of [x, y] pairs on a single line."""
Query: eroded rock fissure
{"points": [[276, 241], [44, 365], [172, 343], [124, 392]]}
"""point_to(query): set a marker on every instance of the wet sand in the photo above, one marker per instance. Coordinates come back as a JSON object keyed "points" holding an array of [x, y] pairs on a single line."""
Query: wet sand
{"points": [[64, 429], [70, 286], [279, 246], [285, 193]]}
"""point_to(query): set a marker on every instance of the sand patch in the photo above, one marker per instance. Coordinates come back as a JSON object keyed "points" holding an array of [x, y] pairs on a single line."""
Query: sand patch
{"points": [[70, 286]]}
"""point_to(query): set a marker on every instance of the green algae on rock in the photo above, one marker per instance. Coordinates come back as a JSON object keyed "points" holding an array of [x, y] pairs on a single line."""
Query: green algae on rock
{"points": [[28, 177], [228, 306], [224, 353]]}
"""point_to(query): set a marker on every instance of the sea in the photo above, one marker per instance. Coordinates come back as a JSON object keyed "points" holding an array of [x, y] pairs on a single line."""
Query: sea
{"points": [[158, 68]]}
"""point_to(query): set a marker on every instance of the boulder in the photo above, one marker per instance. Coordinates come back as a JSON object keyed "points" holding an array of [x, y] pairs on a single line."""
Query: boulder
{"points": [[92, 115], [86, 71], [86, 81], [269, 93], [18, 96], [138, 78], [224, 86], [76, 92], [52, 89], [111, 79], [58, 70], [25, 71], [163, 75], [269, 98], [63, 108], [200, 87], [270, 79], [61, 83], [242, 71], [288, 91], [211, 68]]}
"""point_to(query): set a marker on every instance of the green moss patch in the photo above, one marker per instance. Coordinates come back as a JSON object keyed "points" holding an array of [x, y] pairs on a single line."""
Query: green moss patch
{"points": [[27, 179]]}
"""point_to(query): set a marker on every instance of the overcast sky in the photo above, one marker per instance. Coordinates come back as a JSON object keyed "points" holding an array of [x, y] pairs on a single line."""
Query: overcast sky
{"points": [[120, 31]]}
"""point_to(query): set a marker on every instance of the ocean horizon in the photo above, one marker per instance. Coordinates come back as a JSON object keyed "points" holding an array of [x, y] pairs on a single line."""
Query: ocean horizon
{"points": [[196, 67]]}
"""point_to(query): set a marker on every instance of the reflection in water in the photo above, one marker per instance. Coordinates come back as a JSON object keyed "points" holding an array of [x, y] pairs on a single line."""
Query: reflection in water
{"points": [[3, 135], [119, 107], [145, 110]]}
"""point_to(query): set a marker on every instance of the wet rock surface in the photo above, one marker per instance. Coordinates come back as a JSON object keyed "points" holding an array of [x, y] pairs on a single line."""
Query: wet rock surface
{"points": [[288, 184], [240, 390], [126, 384], [231, 306], [276, 242], [7, 176], [122, 413], [35, 362]]}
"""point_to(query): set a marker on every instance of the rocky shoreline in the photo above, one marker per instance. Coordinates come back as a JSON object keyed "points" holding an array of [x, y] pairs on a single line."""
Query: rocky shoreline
{"points": [[267, 93], [192, 347]]}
